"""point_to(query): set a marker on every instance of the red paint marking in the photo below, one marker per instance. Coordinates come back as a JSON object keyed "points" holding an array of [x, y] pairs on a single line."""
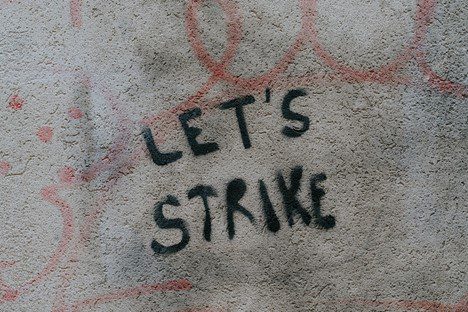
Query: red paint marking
{"points": [[75, 113], [176, 285], [11, 295], [219, 69], [172, 113], [203, 310], [50, 194], [462, 305], [75, 12], [45, 134], [5, 167], [6, 264], [424, 16], [384, 73], [411, 305], [67, 175], [16, 102]]}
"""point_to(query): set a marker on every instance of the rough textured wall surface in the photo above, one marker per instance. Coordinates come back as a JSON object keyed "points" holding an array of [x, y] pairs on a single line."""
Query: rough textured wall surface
{"points": [[233, 155]]}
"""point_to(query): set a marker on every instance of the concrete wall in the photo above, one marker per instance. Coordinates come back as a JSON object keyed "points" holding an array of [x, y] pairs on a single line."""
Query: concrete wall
{"points": [[328, 171]]}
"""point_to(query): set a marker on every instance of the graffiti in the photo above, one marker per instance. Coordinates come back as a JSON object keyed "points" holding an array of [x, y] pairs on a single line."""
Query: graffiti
{"points": [[159, 158], [290, 115], [235, 191], [135, 292], [4, 168], [308, 33], [199, 149], [204, 191], [68, 177], [415, 49], [45, 134], [164, 223], [238, 105], [409, 305], [116, 159], [75, 13], [16, 102], [192, 133], [75, 113]]}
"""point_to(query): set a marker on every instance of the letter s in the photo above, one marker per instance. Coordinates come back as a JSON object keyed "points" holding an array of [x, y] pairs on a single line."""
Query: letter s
{"points": [[164, 223]]}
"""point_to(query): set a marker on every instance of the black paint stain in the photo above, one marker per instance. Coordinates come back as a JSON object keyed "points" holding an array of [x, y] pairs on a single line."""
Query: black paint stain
{"points": [[160, 159], [290, 115], [204, 191], [272, 221], [164, 223], [324, 222], [238, 104], [192, 132], [267, 95], [292, 205], [235, 191]]}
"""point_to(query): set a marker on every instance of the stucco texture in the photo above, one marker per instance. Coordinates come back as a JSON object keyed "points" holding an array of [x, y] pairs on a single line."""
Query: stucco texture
{"points": [[233, 155]]}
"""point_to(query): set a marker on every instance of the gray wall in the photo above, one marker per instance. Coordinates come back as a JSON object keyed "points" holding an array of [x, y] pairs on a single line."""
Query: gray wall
{"points": [[359, 205]]}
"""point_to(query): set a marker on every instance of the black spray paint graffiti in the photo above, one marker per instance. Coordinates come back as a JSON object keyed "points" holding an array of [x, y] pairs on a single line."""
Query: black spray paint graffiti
{"points": [[235, 191], [199, 149], [237, 188]]}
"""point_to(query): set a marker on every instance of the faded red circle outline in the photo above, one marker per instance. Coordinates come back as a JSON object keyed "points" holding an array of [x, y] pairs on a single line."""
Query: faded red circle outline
{"points": [[50, 194], [424, 17], [234, 35], [384, 73], [219, 69]]}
